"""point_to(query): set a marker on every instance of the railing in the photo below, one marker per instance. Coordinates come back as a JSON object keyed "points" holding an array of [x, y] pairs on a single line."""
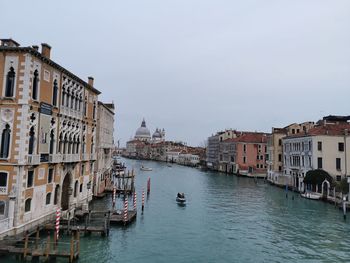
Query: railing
{"points": [[69, 158], [3, 191], [85, 156], [4, 224], [55, 158], [33, 159], [71, 112]]}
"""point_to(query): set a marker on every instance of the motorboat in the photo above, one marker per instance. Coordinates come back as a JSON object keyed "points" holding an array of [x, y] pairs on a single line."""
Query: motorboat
{"points": [[180, 198], [313, 196], [143, 168]]}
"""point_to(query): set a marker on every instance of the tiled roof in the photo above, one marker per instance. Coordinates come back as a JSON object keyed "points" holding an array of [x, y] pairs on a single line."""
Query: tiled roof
{"points": [[327, 129], [250, 137]]}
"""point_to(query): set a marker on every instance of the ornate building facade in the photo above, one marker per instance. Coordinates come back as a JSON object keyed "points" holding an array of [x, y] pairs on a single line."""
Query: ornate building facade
{"points": [[48, 119]]}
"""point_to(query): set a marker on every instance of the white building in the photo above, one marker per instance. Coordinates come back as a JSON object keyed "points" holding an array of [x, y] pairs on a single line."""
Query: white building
{"points": [[322, 147]]}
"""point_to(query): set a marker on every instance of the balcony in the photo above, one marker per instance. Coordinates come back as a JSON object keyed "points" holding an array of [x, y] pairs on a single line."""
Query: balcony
{"points": [[3, 190], [55, 158], [93, 156], [70, 158], [33, 159], [85, 156]]}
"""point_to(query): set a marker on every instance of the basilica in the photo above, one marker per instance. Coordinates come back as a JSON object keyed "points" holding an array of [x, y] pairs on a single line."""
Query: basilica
{"points": [[144, 134]]}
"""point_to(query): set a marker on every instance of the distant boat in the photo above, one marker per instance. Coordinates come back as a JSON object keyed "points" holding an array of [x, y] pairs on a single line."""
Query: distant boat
{"points": [[142, 168], [180, 198], [313, 196], [169, 165]]}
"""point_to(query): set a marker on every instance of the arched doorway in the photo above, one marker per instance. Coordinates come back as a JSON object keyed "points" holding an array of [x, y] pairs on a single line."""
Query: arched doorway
{"points": [[65, 192]]}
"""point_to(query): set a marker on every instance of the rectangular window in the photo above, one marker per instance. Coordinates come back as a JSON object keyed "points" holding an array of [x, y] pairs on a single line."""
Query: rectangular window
{"points": [[338, 178], [279, 142], [341, 147], [82, 169], [280, 157], [30, 178], [319, 162], [50, 175], [338, 164], [319, 146], [244, 159], [244, 148], [3, 183], [279, 168]]}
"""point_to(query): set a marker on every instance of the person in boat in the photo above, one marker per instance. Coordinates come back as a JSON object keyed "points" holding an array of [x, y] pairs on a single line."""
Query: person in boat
{"points": [[180, 195]]}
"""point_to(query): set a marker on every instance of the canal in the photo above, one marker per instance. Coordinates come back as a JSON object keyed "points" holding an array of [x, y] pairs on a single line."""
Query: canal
{"points": [[227, 219]]}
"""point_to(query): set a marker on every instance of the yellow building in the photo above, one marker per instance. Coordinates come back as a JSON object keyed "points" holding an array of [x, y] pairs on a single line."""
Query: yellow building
{"points": [[47, 138]]}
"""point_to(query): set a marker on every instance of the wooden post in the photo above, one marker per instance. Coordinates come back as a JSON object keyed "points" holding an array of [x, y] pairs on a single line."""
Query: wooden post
{"points": [[78, 241], [54, 240], [86, 222], [108, 222], [47, 252], [335, 200], [25, 246], [71, 256], [37, 238]]}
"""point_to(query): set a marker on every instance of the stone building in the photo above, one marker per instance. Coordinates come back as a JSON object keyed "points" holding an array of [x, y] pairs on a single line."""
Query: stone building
{"points": [[104, 147], [48, 119]]}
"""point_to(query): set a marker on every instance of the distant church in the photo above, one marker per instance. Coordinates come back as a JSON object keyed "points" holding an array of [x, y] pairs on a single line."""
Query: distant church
{"points": [[143, 134]]}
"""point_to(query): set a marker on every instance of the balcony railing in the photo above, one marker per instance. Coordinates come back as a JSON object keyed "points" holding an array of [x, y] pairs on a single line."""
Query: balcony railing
{"points": [[70, 158], [3, 190], [55, 158], [33, 159], [85, 156]]}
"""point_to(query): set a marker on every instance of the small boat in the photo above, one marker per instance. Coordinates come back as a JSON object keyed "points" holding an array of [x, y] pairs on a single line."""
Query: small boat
{"points": [[142, 168], [180, 198], [313, 196]]}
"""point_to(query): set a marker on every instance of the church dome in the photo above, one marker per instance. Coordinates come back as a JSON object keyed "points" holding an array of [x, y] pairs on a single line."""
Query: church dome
{"points": [[143, 132], [156, 134]]}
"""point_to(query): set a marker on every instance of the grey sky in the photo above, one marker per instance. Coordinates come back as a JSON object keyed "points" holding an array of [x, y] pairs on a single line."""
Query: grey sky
{"points": [[197, 66]]}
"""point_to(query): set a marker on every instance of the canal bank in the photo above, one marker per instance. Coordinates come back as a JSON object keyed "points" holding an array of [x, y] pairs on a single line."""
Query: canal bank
{"points": [[227, 219]]}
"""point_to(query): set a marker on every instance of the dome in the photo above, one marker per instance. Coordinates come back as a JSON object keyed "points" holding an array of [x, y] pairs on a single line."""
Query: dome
{"points": [[157, 134], [143, 132]]}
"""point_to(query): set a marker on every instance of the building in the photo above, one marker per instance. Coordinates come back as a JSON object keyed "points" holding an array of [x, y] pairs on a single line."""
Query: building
{"points": [[275, 150], [213, 147], [48, 138], [104, 147], [322, 147]]}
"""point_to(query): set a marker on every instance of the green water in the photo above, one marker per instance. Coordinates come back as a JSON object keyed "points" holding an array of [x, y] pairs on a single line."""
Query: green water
{"points": [[227, 219]]}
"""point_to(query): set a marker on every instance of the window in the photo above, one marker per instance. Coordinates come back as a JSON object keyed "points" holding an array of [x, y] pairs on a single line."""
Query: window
{"points": [[280, 142], [54, 93], [338, 178], [82, 169], [30, 178], [341, 147], [5, 142], [63, 96], [57, 189], [244, 148], [10, 83], [293, 131], [2, 208], [279, 168], [35, 85], [48, 198], [94, 112], [31, 141], [81, 188], [50, 175], [338, 164], [52, 141], [75, 188], [319, 162], [3, 183], [27, 205], [319, 146], [244, 159], [280, 157]]}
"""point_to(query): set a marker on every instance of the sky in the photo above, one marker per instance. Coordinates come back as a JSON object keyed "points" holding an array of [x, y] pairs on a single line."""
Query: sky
{"points": [[194, 67]]}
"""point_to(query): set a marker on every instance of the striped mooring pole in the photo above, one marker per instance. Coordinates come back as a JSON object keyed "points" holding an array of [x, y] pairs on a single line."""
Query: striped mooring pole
{"points": [[113, 197], [135, 199], [143, 199], [125, 211], [148, 185], [58, 216]]}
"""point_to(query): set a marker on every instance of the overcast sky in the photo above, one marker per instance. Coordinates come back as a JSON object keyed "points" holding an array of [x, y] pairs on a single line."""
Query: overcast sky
{"points": [[195, 67]]}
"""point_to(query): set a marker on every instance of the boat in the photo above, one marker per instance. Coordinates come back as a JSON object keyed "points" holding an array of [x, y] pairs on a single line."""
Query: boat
{"points": [[313, 196], [169, 165], [143, 168], [180, 198]]}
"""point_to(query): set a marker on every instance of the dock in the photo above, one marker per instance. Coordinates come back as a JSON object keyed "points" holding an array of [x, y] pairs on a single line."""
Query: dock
{"points": [[118, 219]]}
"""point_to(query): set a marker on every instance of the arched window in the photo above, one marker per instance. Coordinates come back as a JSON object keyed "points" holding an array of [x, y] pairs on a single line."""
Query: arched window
{"points": [[75, 188], [57, 190], [92, 145], [31, 141], [72, 100], [5, 142], [27, 205], [35, 85], [3, 183], [67, 97], [65, 144], [10, 83], [70, 145], [52, 141], [2, 208], [78, 145], [48, 198], [63, 96], [81, 188], [94, 111], [60, 143], [54, 94]]}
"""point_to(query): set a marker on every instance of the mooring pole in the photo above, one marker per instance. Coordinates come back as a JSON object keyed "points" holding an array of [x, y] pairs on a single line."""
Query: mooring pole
{"points": [[37, 238], [344, 207], [148, 185], [71, 256], [47, 252], [143, 199], [25, 246]]}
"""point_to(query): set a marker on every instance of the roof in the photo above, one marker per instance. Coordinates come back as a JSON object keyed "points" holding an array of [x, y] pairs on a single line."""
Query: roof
{"points": [[105, 105], [250, 137], [326, 129], [37, 54]]}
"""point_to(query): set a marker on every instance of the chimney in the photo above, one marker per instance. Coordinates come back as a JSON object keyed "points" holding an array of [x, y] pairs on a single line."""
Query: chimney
{"points": [[45, 50], [91, 81], [35, 47]]}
